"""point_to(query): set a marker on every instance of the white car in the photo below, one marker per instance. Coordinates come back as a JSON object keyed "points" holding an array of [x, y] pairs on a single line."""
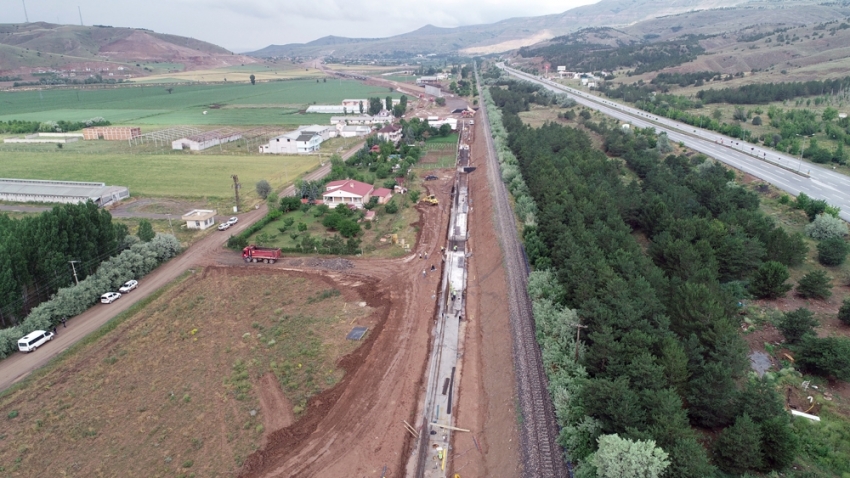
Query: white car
{"points": [[128, 286], [224, 226], [233, 220], [109, 297]]}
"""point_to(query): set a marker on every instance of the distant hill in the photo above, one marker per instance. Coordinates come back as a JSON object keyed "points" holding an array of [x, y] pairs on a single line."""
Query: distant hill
{"points": [[497, 37], [32, 47]]}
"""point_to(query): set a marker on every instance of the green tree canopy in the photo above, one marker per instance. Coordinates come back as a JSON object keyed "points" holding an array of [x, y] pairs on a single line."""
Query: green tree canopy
{"points": [[263, 188], [738, 448], [768, 282], [623, 458], [832, 251], [797, 324], [844, 312], [145, 232], [815, 285]]}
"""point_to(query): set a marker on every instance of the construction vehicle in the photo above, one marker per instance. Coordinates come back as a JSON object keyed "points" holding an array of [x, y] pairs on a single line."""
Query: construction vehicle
{"points": [[431, 199], [253, 253]]}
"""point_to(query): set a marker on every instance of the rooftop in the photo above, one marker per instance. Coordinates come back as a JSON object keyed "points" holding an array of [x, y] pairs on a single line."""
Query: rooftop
{"points": [[56, 188]]}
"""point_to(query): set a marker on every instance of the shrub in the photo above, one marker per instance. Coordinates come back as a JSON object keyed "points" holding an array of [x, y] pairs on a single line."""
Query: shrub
{"points": [[815, 285], [237, 242], [289, 203], [756, 120], [797, 324], [414, 196], [828, 357], [738, 448], [302, 227], [768, 282], [391, 207], [826, 227], [844, 312], [832, 252]]}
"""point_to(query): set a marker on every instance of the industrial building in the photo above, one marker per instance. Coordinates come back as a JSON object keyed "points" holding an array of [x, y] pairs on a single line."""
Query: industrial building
{"points": [[111, 133], [65, 192], [304, 140], [434, 91]]}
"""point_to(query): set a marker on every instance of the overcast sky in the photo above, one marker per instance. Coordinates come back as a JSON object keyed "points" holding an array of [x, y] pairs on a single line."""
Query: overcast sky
{"points": [[247, 25]]}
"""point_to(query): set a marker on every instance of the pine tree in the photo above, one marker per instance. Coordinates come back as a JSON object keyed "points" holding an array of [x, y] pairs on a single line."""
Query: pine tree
{"points": [[768, 282], [815, 285], [738, 448], [797, 324], [145, 232]]}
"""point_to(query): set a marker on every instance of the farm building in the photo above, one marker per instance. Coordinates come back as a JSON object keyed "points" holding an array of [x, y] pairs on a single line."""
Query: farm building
{"points": [[390, 132], [46, 138], [199, 218], [300, 141], [111, 133], [352, 131], [202, 141], [383, 194], [331, 109], [347, 192], [354, 105], [452, 122], [326, 132], [65, 192], [363, 119]]}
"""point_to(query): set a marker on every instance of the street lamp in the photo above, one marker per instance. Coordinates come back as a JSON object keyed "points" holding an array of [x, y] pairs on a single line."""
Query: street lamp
{"points": [[800, 165], [169, 223]]}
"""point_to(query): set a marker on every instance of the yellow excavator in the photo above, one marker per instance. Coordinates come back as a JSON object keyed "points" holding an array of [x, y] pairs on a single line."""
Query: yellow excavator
{"points": [[431, 199]]}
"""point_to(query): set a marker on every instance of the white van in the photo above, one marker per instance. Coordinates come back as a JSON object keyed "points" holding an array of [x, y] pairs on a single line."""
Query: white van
{"points": [[34, 340]]}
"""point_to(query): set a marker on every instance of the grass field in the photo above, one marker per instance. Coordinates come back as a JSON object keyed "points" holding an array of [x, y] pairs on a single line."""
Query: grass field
{"points": [[180, 175], [185, 105]]}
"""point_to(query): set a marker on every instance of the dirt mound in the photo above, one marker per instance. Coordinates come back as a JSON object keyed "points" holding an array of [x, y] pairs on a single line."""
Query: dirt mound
{"points": [[335, 264]]}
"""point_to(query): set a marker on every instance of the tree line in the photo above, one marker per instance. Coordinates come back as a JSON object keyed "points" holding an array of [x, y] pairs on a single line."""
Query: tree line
{"points": [[35, 254], [761, 93], [29, 127], [660, 356]]}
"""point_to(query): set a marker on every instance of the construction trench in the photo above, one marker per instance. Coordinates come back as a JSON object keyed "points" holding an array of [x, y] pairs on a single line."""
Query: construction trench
{"points": [[432, 453]]}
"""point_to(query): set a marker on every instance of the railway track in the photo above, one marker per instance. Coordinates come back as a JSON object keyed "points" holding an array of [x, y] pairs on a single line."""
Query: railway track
{"points": [[541, 455]]}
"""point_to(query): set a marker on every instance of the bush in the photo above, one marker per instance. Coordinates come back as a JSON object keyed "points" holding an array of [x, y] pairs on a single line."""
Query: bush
{"points": [[844, 312], [738, 448], [237, 242], [756, 120], [391, 207], [289, 203], [414, 196], [815, 285], [263, 188], [768, 282], [826, 227], [832, 252], [135, 262], [797, 324], [827, 357]]}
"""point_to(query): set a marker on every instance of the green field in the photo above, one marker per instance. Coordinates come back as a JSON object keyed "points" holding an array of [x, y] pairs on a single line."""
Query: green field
{"points": [[172, 175], [153, 105]]}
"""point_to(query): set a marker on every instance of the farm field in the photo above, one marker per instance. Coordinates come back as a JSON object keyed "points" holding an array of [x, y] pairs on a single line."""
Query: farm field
{"points": [[237, 73], [153, 105], [171, 175], [190, 385]]}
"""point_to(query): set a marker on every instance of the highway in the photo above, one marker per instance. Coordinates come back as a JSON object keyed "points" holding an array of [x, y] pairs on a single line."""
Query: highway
{"points": [[785, 172]]}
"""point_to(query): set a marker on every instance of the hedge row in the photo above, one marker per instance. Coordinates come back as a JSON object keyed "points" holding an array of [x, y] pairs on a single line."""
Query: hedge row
{"points": [[135, 262]]}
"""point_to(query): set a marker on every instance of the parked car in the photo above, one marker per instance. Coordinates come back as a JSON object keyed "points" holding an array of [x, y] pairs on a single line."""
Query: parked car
{"points": [[34, 340], [430, 177], [109, 297], [224, 226], [233, 220], [128, 286]]}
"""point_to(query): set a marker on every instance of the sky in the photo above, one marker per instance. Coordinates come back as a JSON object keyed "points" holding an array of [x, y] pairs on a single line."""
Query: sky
{"points": [[247, 25]]}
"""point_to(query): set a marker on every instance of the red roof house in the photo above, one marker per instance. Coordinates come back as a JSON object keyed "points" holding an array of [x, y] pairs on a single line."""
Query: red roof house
{"points": [[348, 192]]}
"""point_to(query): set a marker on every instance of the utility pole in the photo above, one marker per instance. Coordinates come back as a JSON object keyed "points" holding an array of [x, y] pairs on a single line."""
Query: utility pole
{"points": [[75, 271], [169, 224], [578, 327], [81, 15], [236, 187], [27, 17]]}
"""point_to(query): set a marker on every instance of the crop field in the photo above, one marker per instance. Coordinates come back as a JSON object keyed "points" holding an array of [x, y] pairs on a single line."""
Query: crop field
{"points": [[154, 105], [171, 175], [188, 385]]}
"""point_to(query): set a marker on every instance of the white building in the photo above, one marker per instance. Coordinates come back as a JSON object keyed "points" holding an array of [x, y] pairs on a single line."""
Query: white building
{"points": [[452, 122], [199, 218], [353, 130], [326, 132], [434, 91], [200, 142], [354, 120], [331, 109]]}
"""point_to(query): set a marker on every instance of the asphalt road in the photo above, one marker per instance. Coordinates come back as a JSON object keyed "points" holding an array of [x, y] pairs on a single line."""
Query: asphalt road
{"points": [[19, 365], [785, 172]]}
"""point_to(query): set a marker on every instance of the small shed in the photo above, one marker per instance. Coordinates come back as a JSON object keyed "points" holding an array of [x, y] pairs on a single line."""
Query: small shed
{"points": [[199, 218], [383, 194]]}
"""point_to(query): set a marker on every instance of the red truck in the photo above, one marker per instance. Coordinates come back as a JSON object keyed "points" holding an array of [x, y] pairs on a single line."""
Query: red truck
{"points": [[253, 253]]}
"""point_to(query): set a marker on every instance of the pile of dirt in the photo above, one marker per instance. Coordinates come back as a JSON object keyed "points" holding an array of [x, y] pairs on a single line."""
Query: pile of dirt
{"points": [[334, 264]]}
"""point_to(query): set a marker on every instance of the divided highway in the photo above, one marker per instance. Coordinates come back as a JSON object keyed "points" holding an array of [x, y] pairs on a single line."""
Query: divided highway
{"points": [[785, 172]]}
